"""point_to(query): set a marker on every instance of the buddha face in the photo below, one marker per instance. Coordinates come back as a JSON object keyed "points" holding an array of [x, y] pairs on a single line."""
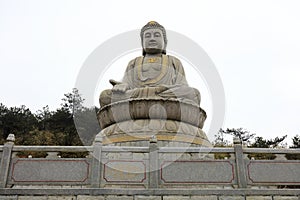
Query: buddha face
{"points": [[153, 41]]}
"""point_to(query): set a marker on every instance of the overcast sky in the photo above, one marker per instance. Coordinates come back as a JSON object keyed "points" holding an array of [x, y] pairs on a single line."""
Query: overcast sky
{"points": [[255, 46]]}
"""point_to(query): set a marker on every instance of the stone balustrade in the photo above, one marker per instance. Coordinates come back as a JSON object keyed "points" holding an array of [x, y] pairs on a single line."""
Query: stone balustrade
{"points": [[161, 172]]}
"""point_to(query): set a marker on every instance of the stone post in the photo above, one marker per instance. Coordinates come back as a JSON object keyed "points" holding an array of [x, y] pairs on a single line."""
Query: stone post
{"points": [[280, 157], [96, 163], [52, 155], [5, 161], [240, 165], [153, 163]]}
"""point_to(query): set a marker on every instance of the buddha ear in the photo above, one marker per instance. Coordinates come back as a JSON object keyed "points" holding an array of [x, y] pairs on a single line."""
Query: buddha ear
{"points": [[164, 51], [143, 49], [142, 43]]}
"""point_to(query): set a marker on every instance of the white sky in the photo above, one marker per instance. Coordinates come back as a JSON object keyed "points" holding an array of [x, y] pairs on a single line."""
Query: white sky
{"points": [[255, 46]]}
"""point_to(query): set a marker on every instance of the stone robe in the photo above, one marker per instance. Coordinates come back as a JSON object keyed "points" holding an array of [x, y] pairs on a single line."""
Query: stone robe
{"points": [[163, 79]]}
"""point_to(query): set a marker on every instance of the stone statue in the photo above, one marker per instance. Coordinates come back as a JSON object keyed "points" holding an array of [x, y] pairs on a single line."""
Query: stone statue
{"points": [[153, 99], [154, 74]]}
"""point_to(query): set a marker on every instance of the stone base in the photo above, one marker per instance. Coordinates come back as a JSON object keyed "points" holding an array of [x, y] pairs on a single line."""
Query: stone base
{"points": [[167, 132], [162, 109]]}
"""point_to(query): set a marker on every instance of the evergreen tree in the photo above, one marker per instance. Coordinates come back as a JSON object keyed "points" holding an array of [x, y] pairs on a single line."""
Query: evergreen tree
{"points": [[263, 143], [43, 116], [87, 125], [244, 135], [296, 141], [270, 143], [73, 102], [220, 140], [18, 121], [296, 144]]}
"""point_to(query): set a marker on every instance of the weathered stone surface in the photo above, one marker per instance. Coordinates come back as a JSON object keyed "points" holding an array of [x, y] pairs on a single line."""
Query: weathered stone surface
{"points": [[143, 129], [140, 156], [2, 197], [192, 172], [86, 197], [69, 186], [114, 197], [176, 197], [285, 198], [58, 170], [258, 198], [32, 198], [152, 125], [125, 171], [147, 198], [231, 198], [127, 110], [61, 198], [142, 197], [204, 198], [274, 172]]}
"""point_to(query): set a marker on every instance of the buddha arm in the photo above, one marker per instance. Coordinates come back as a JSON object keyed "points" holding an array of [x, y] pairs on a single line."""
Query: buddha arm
{"points": [[127, 81], [179, 78]]}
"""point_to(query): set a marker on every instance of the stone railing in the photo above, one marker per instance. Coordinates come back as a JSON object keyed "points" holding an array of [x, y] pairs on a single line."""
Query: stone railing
{"points": [[115, 170]]}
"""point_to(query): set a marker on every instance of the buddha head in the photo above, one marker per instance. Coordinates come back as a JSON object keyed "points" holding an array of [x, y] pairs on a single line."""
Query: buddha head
{"points": [[154, 38]]}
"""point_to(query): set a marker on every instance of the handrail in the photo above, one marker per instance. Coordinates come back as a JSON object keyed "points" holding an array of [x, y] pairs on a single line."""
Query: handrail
{"points": [[244, 172], [53, 148], [274, 151], [17, 148], [195, 150], [125, 149]]}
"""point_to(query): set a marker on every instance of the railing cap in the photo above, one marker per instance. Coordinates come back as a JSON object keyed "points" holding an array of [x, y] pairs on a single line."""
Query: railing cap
{"points": [[237, 140], [11, 138]]}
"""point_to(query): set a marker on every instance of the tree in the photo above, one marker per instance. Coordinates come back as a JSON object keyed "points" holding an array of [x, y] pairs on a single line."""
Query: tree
{"points": [[62, 125], [85, 119], [61, 121], [259, 143], [37, 137], [87, 124], [262, 143], [18, 121], [73, 102], [241, 133], [43, 116], [50, 127], [271, 143], [296, 141], [3, 112], [296, 144], [220, 140]]}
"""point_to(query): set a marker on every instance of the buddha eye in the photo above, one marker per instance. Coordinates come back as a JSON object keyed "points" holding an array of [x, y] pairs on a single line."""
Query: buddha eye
{"points": [[157, 34], [147, 35]]}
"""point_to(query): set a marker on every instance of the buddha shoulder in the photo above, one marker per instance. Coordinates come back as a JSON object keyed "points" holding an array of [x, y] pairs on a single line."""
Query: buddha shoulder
{"points": [[175, 61]]}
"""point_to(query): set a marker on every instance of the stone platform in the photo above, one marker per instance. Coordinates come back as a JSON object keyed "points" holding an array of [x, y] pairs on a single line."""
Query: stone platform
{"points": [[137, 120]]}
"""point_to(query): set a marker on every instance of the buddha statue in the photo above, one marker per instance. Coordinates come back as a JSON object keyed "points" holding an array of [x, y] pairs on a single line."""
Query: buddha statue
{"points": [[153, 75], [153, 99]]}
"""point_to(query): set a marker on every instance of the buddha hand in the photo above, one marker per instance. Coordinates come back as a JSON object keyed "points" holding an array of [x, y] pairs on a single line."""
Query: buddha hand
{"points": [[160, 89], [121, 88]]}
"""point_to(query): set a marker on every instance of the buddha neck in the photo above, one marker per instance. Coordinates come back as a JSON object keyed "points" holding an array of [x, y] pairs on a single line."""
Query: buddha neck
{"points": [[153, 55]]}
